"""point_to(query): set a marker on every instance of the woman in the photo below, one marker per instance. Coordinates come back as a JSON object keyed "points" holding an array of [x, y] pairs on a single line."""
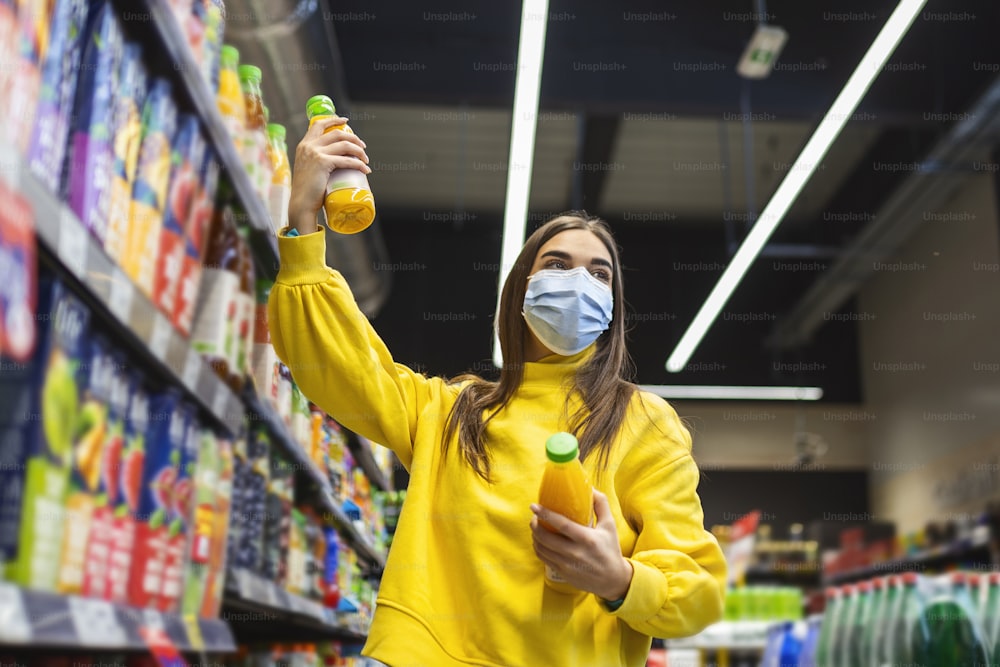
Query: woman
{"points": [[464, 580]]}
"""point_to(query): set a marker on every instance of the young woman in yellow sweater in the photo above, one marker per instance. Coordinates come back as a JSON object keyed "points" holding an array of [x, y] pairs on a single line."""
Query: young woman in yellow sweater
{"points": [[464, 581]]}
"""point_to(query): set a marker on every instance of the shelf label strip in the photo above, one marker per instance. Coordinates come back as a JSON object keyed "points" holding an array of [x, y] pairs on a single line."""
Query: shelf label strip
{"points": [[14, 623]]}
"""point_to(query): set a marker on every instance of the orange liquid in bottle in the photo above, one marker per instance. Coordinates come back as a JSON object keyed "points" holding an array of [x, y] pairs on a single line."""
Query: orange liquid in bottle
{"points": [[349, 204], [564, 490]]}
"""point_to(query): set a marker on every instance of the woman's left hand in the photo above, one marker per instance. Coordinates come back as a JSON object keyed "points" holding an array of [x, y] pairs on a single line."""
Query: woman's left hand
{"points": [[588, 557]]}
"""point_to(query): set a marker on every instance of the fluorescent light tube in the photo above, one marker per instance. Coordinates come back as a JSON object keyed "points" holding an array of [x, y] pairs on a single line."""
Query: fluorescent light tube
{"points": [[709, 392], [841, 110], [530, 52]]}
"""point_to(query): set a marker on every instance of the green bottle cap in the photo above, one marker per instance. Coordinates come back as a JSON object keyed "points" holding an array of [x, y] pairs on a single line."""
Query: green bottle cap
{"points": [[276, 131], [562, 447], [320, 105], [230, 56], [250, 73]]}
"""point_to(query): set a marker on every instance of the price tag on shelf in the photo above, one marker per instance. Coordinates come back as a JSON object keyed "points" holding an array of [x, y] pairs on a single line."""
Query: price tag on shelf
{"points": [[159, 340], [14, 624], [122, 293], [72, 244], [192, 369], [96, 623]]}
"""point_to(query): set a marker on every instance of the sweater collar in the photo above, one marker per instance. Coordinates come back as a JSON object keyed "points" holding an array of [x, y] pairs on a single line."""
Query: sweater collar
{"points": [[555, 368]]}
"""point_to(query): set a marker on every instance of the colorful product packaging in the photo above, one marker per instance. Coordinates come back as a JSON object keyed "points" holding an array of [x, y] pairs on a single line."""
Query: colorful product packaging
{"points": [[149, 192], [102, 523], [195, 242], [215, 582], [18, 271], [160, 473], [59, 69], [126, 512], [85, 475], [187, 155], [89, 167], [180, 516], [22, 85], [126, 126], [8, 47], [62, 385], [206, 476], [278, 510]]}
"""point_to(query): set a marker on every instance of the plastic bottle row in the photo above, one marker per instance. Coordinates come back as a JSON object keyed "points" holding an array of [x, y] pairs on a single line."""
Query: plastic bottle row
{"points": [[948, 620], [763, 603]]}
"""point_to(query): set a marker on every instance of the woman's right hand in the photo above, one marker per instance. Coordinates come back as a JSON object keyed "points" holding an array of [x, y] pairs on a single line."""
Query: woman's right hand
{"points": [[316, 156]]}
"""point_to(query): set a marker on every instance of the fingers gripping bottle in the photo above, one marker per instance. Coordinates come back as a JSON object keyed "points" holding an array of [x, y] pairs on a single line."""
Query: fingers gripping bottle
{"points": [[564, 490], [350, 206]]}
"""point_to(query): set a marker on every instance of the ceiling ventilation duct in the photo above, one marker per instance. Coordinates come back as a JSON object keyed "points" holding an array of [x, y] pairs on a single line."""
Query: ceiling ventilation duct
{"points": [[294, 44]]}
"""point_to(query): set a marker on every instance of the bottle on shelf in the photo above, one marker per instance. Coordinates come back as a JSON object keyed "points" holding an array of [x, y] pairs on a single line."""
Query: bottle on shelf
{"points": [[255, 158], [565, 490], [281, 179], [831, 614], [882, 633], [229, 98], [837, 654], [247, 310], [214, 334], [910, 632], [854, 628], [991, 615], [955, 635], [874, 614], [349, 204]]}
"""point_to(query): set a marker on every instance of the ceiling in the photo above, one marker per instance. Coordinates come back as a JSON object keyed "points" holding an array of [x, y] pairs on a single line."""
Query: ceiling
{"points": [[645, 122]]}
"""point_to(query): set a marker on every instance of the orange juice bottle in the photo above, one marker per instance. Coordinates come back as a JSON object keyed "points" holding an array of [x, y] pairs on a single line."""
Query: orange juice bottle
{"points": [[229, 98], [255, 158], [281, 178], [350, 206], [565, 490]]}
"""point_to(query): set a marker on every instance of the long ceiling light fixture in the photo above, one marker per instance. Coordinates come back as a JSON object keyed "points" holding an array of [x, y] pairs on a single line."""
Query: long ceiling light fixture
{"points": [[710, 392], [838, 115], [530, 52]]}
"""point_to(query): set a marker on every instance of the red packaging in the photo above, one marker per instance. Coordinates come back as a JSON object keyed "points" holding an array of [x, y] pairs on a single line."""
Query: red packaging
{"points": [[126, 512], [163, 442], [181, 511], [195, 240], [18, 287]]}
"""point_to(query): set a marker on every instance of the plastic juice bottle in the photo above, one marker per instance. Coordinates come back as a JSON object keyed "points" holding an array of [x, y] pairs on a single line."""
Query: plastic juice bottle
{"points": [[255, 158], [565, 490], [956, 637], [247, 310], [281, 178], [217, 313], [350, 205], [869, 622], [229, 99]]}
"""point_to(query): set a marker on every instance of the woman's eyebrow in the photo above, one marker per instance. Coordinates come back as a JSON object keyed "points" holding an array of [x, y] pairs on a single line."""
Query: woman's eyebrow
{"points": [[565, 255]]}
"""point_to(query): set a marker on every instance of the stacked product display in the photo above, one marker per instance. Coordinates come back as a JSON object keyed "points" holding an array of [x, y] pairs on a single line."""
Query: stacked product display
{"points": [[144, 467]]}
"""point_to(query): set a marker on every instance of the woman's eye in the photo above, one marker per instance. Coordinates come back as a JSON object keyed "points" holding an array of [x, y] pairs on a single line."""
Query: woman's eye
{"points": [[602, 275], [555, 264]]}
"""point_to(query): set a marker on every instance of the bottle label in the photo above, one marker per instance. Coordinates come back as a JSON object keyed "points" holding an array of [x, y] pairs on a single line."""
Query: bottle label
{"points": [[217, 315], [342, 179]]}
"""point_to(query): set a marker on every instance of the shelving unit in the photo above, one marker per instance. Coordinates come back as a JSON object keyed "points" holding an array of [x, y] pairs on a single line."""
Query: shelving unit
{"points": [[64, 239], [261, 412], [36, 619], [361, 450], [978, 545]]}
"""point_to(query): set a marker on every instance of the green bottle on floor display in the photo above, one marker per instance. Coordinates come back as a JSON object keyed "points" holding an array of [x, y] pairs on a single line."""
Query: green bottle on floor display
{"points": [[882, 636], [870, 622], [910, 635], [955, 635], [830, 613], [837, 656]]}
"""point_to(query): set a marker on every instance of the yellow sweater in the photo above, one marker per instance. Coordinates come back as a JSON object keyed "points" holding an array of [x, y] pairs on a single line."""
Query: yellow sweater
{"points": [[462, 585]]}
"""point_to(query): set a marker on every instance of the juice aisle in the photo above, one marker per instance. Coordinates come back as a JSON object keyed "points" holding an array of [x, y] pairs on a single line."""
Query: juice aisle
{"points": [[166, 491]]}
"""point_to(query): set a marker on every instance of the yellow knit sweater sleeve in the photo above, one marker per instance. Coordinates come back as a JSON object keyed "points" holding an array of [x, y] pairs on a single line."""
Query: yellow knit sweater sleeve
{"points": [[334, 354], [680, 571]]}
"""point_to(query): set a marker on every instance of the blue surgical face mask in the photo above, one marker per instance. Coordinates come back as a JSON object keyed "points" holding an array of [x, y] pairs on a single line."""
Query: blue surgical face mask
{"points": [[567, 310]]}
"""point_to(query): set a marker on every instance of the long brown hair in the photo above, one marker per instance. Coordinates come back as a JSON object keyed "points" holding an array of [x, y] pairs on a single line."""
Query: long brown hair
{"points": [[602, 382]]}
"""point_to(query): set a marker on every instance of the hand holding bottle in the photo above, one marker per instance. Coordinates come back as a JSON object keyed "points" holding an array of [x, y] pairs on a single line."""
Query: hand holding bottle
{"points": [[317, 155], [588, 558]]}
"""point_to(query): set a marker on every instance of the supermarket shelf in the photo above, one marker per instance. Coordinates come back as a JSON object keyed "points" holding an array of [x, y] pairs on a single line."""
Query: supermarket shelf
{"points": [[64, 236], [732, 635], [260, 610], [175, 45], [260, 412], [31, 619], [978, 544], [361, 450]]}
